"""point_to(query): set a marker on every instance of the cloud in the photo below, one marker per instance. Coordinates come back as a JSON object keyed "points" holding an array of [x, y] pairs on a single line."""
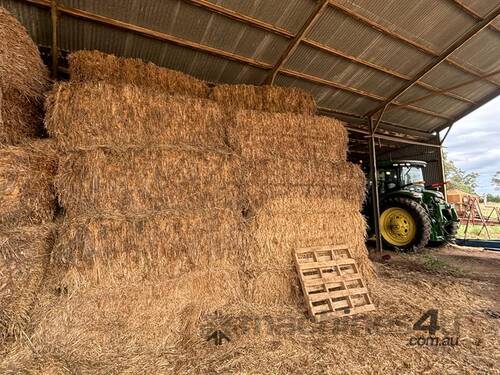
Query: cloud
{"points": [[474, 143]]}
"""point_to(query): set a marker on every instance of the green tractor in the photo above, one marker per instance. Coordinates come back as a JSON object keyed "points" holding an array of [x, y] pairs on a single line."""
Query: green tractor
{"points": [[412, 215]]}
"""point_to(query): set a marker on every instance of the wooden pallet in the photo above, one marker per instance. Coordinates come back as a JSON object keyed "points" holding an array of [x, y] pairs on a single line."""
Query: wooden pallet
{"points": [[331, 282]]}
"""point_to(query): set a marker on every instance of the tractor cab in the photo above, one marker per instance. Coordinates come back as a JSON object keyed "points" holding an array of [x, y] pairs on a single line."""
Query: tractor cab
{"points": [[401, 175], [411, 213]]}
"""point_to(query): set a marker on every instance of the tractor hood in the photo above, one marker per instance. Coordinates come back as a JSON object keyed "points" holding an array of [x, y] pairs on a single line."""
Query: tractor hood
{"points": [[433, 193]]}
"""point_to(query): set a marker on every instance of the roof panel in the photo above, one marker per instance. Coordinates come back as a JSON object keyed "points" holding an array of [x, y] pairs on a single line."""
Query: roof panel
{"points": [[178, 18], [287, 14], [328, 97], [481, 7], [441, 104], [421, 21], [413, 120], [77, 34], [445, 76], [314, 62], [359, 40], [481, 53]]}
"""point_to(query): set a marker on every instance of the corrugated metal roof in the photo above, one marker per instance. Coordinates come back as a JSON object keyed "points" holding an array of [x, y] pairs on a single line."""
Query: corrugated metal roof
{"points": [[357, 54]]}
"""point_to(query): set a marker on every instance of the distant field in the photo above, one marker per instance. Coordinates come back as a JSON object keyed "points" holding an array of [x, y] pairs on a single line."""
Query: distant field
{"points": [[473, 232]]}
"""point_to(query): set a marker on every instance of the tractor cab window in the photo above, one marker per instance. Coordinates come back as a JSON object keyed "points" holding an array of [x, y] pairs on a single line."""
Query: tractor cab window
{"points": [[411, 175], [387, 179]]}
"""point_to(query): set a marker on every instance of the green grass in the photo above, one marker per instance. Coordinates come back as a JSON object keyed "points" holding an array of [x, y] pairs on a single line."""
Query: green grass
{"points": [[473, 232]]}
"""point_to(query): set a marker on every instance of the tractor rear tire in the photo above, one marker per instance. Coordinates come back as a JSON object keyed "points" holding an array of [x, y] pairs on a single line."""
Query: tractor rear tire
{"points": [[422, 222]]}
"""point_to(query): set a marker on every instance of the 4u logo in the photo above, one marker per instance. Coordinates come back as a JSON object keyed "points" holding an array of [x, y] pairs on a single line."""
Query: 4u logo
{"points": [[432, 327]]}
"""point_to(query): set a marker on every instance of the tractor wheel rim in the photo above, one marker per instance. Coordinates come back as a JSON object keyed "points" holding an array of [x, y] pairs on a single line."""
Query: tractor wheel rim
{"points": [[397, 226]]}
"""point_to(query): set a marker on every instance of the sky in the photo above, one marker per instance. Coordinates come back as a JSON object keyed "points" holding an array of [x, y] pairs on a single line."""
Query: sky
{"points": [[473, 144]]}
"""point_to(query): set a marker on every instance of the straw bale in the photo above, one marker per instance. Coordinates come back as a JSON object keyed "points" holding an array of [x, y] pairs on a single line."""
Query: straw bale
{"points": [[285, 224], [83, 116], [254, 134], [138, 179], [96, 66], [188, 239], [21, 69], [19, 118], [266, 180], [264, 98], [272, 287], [26, 183], [119, 323], [24, 256]]}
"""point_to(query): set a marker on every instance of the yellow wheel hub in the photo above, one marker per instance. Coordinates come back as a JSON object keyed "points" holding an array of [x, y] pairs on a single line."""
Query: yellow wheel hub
{"points": [[397, 226]]}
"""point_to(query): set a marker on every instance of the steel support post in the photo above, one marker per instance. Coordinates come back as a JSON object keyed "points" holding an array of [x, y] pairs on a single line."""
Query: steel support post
{"points": [[441, 166], [374, 187]]}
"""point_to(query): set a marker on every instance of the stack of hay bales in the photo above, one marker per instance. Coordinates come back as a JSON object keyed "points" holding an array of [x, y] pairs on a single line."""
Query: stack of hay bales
{"points": [[299, 189], [151, 234], [27, 167]]}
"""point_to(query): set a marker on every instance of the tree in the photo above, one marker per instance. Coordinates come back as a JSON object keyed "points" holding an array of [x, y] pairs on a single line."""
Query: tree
{"points": [[458, 178], [495, 181]]}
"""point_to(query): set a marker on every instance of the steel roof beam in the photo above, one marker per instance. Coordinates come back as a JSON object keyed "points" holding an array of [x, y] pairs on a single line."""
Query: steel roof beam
{"points": [[78, 13], [336, 85], [254, 22], [311, 20], [450, 88], [408, 41], [442, 57], [471, 12], [482, 102], [381, 69], [389, 127]]}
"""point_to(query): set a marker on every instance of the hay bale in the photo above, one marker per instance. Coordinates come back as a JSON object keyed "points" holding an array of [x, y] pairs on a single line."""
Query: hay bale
{"points": [[266, 180], [83, 116], [254, 134], [19, 119], [131, 326], [21, 68], [187, 239], [96, 66], [139, 179], [273, 287], [26, 176], [23, 83], [264, 98], [24, 256], [285, 224]]}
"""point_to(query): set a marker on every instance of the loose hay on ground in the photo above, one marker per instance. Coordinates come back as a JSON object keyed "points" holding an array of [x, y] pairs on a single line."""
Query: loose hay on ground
{"points": [[83, 116], [189, 239], [254, 134], [24, 256], [263, 98], [138, 179], [26, 183], [96, 66]]}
